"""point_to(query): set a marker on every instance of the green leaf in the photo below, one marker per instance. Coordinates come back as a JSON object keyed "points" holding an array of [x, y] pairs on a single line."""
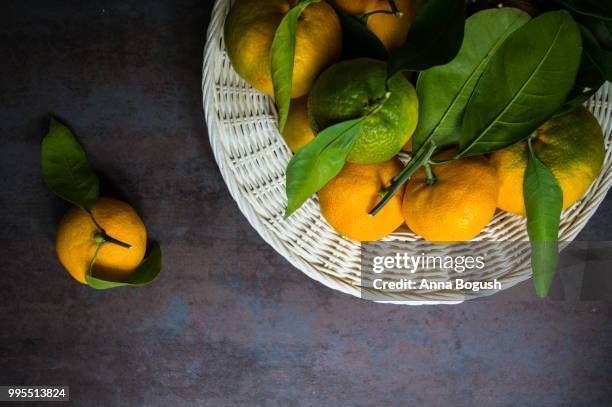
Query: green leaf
{"points": [[601, 58], [434, 38], [590, 75], [319, 161], [596, 15], [282, 54], [419, 158], [146, 272], [601, 9], [602, 30], [445, 90], [358, 40], [598, 55], [65, 167], [600, 27], [526, 81], [543, 201]]}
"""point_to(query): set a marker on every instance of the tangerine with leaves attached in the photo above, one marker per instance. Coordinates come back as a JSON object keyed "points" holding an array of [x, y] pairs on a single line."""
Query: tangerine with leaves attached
{"points": [[249, 31], [570, 145], [78, 238], [355, 88], [391, 28]]}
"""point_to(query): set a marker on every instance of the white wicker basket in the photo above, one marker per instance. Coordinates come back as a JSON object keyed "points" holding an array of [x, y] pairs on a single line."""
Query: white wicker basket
{"points": [[252, 157]]}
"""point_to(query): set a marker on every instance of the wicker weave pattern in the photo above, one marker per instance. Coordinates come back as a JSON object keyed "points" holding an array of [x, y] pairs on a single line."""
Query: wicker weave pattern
{"points": [[252, 157]]}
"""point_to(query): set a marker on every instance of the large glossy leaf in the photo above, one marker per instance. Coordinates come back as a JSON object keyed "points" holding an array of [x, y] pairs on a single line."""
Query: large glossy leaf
{"points": [[434, 38], [445, 90], [526, 81], [543, 201], [146, 272], [319, 161], [358, 41], [282, 54], [65, 167]]}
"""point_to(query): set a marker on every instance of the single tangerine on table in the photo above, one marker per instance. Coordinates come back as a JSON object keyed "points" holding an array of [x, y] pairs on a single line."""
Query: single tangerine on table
{"points": [[76, 241]]}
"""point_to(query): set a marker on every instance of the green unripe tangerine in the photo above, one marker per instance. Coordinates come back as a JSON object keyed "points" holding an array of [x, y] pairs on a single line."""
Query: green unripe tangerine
{"points": [[351, 89]]}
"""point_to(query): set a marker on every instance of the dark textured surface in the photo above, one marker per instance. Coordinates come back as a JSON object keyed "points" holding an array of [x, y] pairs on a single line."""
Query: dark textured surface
{"points": [[229, 322]]}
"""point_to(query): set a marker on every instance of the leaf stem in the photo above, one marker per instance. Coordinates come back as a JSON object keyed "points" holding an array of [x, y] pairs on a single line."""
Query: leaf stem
{"points": [[95, 256], [431, 178], [532, 136], [421, 157], [100, 228], [438, 162], [529, 144], [530, 140]]}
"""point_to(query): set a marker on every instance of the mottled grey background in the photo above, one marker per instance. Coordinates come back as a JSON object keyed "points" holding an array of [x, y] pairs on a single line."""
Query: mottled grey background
{"points": [[229, 322]]}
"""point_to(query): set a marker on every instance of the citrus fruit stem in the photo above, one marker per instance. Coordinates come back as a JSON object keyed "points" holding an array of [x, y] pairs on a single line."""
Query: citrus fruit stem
{"points": [[104, 237], [420, 158], [395, 9], [377, 104], [364, 17], [110, 239], [431, 178]]}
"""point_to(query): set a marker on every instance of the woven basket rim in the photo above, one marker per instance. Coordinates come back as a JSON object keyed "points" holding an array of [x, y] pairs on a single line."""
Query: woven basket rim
{"points": [[215, 72]]}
